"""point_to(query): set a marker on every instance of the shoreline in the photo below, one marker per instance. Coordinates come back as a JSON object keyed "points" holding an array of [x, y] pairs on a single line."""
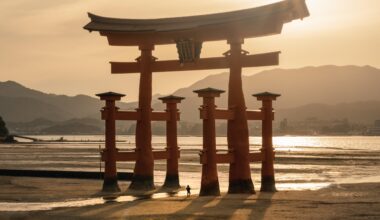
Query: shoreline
{"points": [[75, 198], [162, 135]]}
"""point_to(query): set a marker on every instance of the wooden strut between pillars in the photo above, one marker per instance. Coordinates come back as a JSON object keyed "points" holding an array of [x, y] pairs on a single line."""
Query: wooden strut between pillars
{"points": [[132, 156], [229, 157], [135, 115], [255, 60], [218, 114], [256, 115], [230, 114]]}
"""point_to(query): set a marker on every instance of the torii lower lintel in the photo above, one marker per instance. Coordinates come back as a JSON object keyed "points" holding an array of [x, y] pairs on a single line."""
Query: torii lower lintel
{"points": [[255, 60]]}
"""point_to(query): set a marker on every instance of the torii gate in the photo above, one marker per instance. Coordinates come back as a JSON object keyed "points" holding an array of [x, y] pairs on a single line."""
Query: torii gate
{"points": [[188, 33]]}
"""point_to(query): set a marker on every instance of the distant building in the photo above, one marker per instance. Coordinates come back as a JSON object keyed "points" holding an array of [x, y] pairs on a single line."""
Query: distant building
{"points": [[375, 130]]}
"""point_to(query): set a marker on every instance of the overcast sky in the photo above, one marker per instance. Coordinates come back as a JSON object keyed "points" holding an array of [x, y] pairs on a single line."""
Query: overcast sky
{"points": [[43, 44]]}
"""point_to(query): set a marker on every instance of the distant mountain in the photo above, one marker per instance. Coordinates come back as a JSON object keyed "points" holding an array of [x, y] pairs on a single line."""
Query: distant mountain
{"points": [[351, 92], [325, 85], [21, 104]]}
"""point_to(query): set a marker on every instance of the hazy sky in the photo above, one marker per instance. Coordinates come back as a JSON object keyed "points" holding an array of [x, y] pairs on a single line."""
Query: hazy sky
{"points": [[43, 45]]}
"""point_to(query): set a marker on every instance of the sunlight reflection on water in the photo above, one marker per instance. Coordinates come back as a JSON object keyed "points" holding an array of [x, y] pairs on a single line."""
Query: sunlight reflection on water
{"points": [[302, 186], [44, 206]]}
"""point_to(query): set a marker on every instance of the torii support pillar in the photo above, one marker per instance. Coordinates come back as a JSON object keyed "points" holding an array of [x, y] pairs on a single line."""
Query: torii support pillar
{"points": [[209, 182], [143, 172], [268, 183], [172, 177], [110, 173], [240, 180]]}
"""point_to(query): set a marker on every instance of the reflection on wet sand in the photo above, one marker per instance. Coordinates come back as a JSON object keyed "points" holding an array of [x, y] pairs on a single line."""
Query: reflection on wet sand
{"points": [[115, 198], [106, 199]]}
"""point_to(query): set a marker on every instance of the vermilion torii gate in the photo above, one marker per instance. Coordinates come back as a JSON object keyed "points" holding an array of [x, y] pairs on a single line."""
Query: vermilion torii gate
{"points": [[188, 33]]}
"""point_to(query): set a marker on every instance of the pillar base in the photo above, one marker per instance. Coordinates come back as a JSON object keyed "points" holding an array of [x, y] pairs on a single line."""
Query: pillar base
{"points": [[268, 184], [211, 189], [241, 186], [172, 181], [140, 182], [110, 185]]}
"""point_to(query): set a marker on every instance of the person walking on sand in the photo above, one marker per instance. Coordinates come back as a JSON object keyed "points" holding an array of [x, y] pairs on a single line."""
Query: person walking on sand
{"points": [[188, 190]]}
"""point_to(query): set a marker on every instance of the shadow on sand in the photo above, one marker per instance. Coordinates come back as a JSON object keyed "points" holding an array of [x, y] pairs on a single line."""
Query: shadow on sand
{"points": [[228, 206], [115, 204], [239, 206]]}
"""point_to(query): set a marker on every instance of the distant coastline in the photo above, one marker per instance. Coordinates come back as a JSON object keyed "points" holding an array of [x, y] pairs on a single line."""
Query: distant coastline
{"points": [[91, 138], [310, 104]]}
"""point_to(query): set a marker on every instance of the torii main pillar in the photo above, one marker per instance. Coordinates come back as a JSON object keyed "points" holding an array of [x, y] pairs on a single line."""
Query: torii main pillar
{"points": [[143, 172], [237, 129]]}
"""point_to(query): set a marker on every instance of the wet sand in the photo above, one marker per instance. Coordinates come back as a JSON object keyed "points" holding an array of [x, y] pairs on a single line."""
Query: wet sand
{"points": [[53, 198], [297, 168]]}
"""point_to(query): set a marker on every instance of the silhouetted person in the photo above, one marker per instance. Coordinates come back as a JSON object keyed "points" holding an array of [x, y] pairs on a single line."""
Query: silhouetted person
{"points": [[188, 190]]}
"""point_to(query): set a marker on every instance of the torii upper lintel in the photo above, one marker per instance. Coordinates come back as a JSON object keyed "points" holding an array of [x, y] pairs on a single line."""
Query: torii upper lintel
{"points": [[254, 22]]}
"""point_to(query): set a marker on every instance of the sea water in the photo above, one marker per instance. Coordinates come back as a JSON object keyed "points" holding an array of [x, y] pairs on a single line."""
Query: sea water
{"points": [[302, 162]]}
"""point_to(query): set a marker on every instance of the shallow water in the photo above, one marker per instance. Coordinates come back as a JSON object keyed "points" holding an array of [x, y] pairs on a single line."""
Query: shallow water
{"points": [[301, 162]]}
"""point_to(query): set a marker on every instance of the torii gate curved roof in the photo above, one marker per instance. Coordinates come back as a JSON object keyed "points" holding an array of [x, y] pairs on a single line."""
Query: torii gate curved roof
{"points": [[247, 23]]}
